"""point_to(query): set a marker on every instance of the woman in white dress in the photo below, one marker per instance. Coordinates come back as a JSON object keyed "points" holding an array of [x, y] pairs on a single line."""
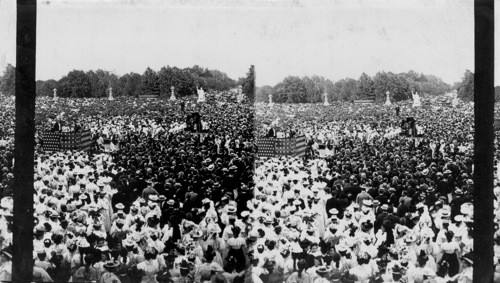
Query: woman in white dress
{"points": [[150, 267]]}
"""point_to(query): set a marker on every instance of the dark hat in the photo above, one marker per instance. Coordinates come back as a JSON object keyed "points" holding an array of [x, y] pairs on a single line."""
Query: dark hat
{"points": [[366, 226], [110, 264], [323, 270], [231, 209]]}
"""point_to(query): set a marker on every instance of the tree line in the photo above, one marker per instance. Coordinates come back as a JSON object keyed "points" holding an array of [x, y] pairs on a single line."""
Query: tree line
{"points": [[78, 83], [465, 88], [311, 89]]}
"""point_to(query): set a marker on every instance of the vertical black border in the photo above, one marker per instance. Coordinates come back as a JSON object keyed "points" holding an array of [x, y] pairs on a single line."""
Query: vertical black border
{"points": [[24, 144], [484, 103]]}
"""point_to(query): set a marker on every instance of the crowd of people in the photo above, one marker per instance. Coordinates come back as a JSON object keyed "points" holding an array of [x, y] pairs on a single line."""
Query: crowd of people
{"points": [[181, 206]]}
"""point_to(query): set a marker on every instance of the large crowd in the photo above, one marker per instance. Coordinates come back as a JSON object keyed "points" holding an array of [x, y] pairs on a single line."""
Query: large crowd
{"points": [[168, 205]]}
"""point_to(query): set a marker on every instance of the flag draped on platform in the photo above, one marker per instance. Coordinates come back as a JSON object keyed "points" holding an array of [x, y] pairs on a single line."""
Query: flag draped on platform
{"points": [[56, 141], [271, 147]]}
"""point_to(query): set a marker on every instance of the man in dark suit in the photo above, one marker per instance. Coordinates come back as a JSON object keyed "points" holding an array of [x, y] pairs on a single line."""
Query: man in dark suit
{"points": [[271, 133], [56, 127]]}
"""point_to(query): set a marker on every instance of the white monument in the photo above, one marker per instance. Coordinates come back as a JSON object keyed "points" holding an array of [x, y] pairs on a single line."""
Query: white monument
{"points": [[455, 100], [416, 99], [388, 99], [270, 99], [55, 94], [326, 99], [201, 94], [110, 97], [172, 93], [240, 94]]}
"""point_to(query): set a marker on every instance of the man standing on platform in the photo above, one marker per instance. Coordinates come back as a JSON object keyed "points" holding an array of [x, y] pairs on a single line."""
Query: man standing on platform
{"points": [[57, 126], [271, 133]]}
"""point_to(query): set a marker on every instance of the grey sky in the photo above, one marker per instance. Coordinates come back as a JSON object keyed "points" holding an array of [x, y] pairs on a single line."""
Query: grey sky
{"points": [[335, 39]]}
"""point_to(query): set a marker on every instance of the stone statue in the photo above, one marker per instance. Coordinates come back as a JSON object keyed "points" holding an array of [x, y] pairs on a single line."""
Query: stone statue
{"points": [[110, 97], [455, 100], [416, 99], [388, 99], [172, 93], [240, 94], [201, 94], [326, 99], [55, 94], [270, 99]]}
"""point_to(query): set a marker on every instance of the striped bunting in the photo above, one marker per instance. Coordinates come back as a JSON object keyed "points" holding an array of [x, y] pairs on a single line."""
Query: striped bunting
{"points": [[85, 140], [300, 146]]}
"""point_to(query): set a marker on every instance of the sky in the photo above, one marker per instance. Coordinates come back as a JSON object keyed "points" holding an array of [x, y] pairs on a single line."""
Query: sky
{"points": [[335, 39]]}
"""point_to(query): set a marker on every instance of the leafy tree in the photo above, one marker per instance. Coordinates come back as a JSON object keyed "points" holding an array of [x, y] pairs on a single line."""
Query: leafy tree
{"points": [[183, 82], [248, 86], [166, 80], [314, 88], [8, 80], [262, 93], [46, 88], [150, 82], [397, 85], [219, 81], [348, 89], [98, 84], [129, 84], [75, 84], [466, 88], [365, 88], [291, 90]]}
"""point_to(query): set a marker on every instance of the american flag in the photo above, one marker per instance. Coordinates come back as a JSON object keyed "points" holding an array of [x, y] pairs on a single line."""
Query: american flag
{"points": [[285, 147], [51, 141], [266, 147], [69, 141]]}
